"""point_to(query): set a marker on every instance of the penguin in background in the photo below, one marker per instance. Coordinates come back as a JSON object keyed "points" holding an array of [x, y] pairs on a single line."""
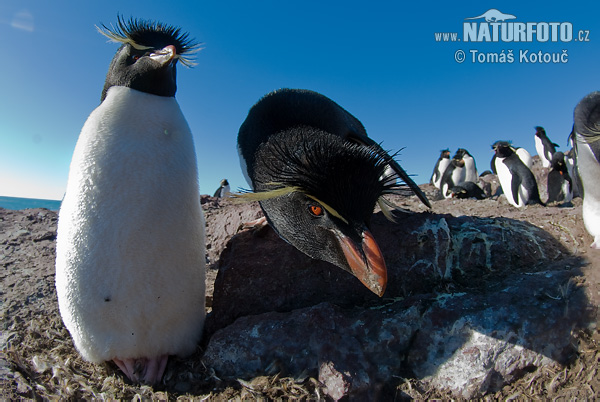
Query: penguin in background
{"points": [[454, 175], [586, 141], [560, 185], [224, 189], [130, 252], [440, 167], [468, 189], [544, 147], [522, 153], [571, 163], [470, 167], [318, 178], [516, 179]]}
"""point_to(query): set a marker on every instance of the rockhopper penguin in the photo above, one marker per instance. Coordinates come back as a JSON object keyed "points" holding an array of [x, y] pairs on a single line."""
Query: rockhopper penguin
{"points": [[318, 177], [586, 142], [223, 190], [516, 179], [440, 167], [544, 147], [522, 153], [130, 249], [560, 184]]}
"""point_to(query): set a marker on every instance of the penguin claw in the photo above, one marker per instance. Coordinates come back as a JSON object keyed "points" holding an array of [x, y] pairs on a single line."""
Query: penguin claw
{"points": [[143, 370]]}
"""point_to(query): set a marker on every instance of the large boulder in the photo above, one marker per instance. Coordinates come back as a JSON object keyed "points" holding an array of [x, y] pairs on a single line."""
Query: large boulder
{"points": [[471, 303]]}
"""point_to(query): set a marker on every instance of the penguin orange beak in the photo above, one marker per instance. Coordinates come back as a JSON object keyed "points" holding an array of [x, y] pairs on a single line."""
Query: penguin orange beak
{"points": [[372, 272]]}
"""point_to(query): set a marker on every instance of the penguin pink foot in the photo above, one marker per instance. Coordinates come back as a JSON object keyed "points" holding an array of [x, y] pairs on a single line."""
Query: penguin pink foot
{"points": [[143, 370]]}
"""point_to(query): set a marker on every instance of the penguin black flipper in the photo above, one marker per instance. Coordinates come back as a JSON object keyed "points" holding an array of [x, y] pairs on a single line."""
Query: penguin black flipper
{"points": [[515, 183], [366, 141]]}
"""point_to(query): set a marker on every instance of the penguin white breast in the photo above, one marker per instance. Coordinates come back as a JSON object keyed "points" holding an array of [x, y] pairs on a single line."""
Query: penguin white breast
{"points": [[130, 246], [539, 147], [505, 178], [470, 169], [567, 190], [444, 163], [458, 175]]}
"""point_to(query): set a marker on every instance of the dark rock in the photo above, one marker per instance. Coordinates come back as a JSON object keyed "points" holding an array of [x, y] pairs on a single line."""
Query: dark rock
{"points": [[471, 303], [422, 252]]}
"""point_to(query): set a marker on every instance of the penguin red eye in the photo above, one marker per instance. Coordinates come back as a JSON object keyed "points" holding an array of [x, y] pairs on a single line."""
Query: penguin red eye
{"points": [[135, 57], [316, 210]]}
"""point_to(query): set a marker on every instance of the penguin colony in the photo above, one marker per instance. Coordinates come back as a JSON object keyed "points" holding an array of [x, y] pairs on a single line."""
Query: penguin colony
{"points": [[130, 255], [571, 174], [512, 165]]}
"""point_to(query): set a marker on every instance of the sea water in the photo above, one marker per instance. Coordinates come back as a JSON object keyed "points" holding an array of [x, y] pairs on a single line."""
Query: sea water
{"points": [[15, 203]]}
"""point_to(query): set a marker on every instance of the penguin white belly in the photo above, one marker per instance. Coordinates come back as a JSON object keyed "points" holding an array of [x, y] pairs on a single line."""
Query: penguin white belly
{"points": [[567, 190], [470, 169], [458, 176], [130, 246], [505, 178], [539, 147], [589, 172], [444, 163]]}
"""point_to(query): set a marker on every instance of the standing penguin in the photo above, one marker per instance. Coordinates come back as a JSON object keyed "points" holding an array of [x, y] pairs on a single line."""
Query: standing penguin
{"points": [[223, 190], [586, 140], [544, 147], [130, 248], [571, 163], [517, 181], [440, 167], [453, 176], [522, 153], [560, 184], [318, 177], [470, 167]]}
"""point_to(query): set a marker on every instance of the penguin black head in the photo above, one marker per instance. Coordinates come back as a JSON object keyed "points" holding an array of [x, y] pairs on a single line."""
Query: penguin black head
{"points": [[558, 162], [461, 152], [539, 131], [146, 60], [318, 177], [319, 191], [587, 118], [503, 149], [445, 153]]}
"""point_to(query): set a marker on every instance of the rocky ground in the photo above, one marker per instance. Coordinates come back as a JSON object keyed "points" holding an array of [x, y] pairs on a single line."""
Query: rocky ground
{"points": [[507, 298]]}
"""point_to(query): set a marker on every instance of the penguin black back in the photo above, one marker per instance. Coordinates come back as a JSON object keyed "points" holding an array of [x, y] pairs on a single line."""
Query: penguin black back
{"points": [[587, 122], [287, 108], [468, 189], [139, 63]]}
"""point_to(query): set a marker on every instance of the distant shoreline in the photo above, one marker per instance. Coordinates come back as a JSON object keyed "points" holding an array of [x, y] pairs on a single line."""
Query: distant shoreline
{"points": [[19, 203]]}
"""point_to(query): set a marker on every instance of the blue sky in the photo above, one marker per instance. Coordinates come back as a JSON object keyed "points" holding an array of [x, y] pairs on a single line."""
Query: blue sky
{"points": [[379, 60]]}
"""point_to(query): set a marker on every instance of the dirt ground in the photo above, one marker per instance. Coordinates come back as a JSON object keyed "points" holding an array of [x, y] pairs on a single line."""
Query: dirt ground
{"points": [[38, 360]]}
